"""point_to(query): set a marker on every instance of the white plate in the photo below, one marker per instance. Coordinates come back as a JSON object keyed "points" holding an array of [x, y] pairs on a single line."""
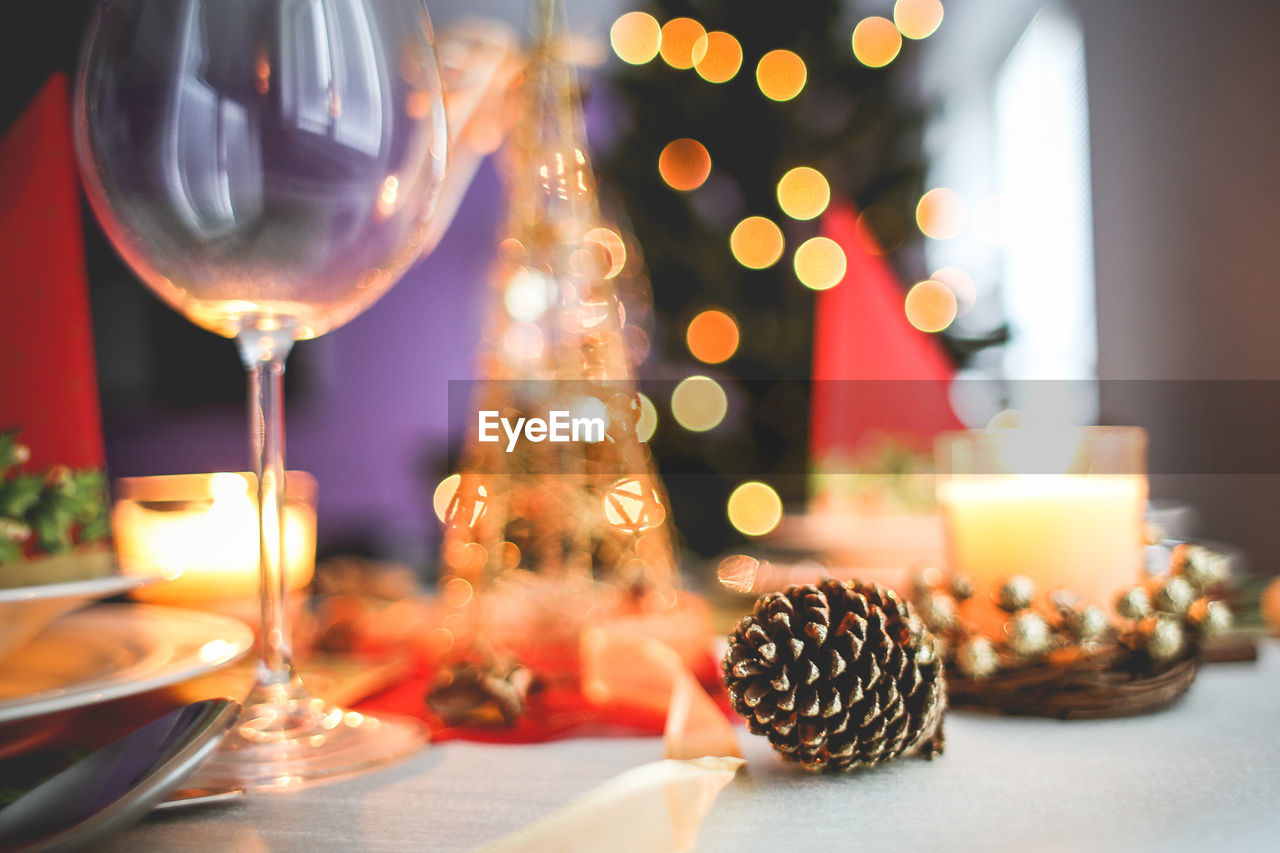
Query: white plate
{"points": [[115, 650], [26, 610]]}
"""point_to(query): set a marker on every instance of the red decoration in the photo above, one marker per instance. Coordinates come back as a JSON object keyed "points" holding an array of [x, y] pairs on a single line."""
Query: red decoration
{"points": [[875, 374], [48, 382], [556, 709]]}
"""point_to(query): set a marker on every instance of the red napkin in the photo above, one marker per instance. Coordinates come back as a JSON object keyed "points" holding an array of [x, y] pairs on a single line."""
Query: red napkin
{"points": [[48, 382], [861, 333], [559, 708]]}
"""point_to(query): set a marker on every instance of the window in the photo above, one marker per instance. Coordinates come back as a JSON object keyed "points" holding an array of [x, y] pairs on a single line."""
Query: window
{"points": [[1042, 156]]}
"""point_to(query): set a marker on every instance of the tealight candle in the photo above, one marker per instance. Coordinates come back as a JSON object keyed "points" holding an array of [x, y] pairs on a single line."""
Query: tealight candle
{"points": [[201, 530], [1063, 508]]}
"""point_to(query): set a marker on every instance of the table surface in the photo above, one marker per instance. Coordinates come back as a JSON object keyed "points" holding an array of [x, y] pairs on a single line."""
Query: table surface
{"points": [[1202, 775]]}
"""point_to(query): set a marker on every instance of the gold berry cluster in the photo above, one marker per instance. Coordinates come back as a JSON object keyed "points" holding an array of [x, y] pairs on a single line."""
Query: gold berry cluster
{"points": [[1155, 622]]}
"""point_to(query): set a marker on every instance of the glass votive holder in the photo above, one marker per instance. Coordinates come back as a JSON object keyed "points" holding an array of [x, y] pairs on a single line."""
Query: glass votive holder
{"points": [[201, 531], [1062, 507]]}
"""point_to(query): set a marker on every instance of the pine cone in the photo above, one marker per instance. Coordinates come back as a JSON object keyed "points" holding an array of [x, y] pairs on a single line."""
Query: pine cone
{"points": [[837, 676]]}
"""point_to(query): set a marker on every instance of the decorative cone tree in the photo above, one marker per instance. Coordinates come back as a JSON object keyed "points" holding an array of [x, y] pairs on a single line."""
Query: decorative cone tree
{"points": [[590, 509]]}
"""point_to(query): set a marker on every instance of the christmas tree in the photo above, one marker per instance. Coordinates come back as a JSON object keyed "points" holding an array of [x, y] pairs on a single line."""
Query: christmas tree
{"points": [[799, 99]]}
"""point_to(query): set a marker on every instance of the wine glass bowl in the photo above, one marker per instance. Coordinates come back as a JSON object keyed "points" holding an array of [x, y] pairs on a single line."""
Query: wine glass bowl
{"points": [[268, 168], [263, 158]]}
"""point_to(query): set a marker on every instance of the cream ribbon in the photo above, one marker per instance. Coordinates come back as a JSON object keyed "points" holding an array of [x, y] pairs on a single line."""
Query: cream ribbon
{"points": [[654, 807]]}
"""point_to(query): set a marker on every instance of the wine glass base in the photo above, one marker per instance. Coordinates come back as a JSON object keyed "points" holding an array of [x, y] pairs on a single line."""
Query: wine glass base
{"points": [[303, 740]]}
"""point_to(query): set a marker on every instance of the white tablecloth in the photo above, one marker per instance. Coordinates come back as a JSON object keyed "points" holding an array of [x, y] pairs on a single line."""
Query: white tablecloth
{"points": [[1204, 775]]}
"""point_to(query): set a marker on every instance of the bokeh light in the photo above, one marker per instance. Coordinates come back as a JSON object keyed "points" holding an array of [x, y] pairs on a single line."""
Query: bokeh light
{"points": [[781, 74], [592, 310], [589, 262], [439, 641], [613, 245], [740, 572], [698, 403], [917, 19], [446, 508], [961, 284], [930, 306], [387, 198], [876, 42], [591, 407], [803, 193], [633, 505], [756, 242], [712, 336], [941, 213], [457, 592], [754, 508], [443, 494], [527, 295], [464, 558], [1007, 419], [636, 37], [684, 164], [511, 249], [647, 423], [722, 60], [636, 342], [820, 263], [684, 42], [509, 555]]}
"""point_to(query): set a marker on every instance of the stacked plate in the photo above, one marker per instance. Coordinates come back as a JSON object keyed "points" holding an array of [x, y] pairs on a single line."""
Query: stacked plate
{"points": [[55, 656]]}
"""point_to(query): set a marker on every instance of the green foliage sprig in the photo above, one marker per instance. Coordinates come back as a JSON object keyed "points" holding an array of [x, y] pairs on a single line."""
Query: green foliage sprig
{"points": [[48, 512]]}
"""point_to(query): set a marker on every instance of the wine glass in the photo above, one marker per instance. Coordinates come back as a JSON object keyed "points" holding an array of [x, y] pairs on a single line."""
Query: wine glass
{"points": [[269, 169]]}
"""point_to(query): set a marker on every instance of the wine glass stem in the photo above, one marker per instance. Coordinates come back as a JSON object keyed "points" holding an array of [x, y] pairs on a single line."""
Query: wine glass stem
{"points": [[263, 352]]}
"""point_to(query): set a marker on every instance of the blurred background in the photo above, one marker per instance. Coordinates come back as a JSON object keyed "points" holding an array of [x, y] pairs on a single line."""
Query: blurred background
{"points": [[1092, 186]]}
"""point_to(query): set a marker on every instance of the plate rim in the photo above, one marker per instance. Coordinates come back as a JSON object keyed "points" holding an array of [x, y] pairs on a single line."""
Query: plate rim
{"points": [[124, 682], [86, 588]]}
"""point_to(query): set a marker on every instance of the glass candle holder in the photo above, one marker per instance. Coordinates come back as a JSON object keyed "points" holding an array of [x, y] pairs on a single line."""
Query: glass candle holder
{"points": [[201, 530], [1062, 507]]}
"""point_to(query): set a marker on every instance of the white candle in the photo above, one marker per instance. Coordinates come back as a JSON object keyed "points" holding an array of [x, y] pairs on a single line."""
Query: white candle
{"points": [[1081, 532], [202, 530]]}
